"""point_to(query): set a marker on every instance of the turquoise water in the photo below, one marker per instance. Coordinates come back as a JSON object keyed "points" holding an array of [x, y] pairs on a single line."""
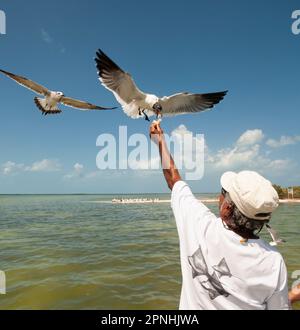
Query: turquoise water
{"points": [[65, 252]]}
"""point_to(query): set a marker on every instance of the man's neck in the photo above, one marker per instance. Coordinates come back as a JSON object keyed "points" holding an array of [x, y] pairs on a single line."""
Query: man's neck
{"points": [[245, 234]]}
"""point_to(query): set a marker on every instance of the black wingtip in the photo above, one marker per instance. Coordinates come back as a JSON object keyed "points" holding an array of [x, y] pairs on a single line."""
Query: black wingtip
{"points": [[7, 73], [100, 55], [214, 98], [104, 108], [104, 63]]}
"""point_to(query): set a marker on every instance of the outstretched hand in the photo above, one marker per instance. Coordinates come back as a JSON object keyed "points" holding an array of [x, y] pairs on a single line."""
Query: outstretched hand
{"points": [[169, 168], [156, 132]]}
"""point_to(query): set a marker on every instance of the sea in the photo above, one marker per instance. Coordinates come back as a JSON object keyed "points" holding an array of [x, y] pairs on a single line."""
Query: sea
{"points": [[84, 252]]}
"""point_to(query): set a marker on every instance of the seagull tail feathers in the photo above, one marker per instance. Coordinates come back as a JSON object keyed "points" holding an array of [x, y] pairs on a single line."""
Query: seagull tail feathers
{"points": [[44, 107]]}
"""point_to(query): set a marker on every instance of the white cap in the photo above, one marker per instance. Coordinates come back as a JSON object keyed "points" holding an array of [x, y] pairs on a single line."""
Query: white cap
{"points": [[253, 195]]}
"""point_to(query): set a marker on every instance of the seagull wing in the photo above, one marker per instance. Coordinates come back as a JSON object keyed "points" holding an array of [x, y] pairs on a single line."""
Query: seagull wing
{"points": [[27, 83], [82, 105], [116, 80], [188, 103]]}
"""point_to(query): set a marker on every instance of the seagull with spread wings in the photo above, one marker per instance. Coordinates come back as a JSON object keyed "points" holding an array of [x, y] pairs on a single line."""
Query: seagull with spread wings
{"points": [[136, 103], [49, 104], [275, 237]]}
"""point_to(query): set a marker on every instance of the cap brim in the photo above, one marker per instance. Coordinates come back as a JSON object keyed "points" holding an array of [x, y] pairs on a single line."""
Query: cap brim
{"points": [[227, 179]]}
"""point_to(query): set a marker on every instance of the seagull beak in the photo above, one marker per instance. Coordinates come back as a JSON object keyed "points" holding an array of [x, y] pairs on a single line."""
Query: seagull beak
{"points": [[157, 108]]}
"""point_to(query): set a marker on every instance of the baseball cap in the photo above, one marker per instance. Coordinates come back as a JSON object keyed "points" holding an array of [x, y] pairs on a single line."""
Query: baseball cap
{"points": [[252, 194]]}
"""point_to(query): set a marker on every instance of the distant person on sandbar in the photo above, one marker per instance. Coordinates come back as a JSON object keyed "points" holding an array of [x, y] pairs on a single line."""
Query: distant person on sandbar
{"points": [[224, 263]]}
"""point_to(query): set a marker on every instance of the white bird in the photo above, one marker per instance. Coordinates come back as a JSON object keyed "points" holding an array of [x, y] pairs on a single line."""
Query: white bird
{"points": [[136, 103], [48, 104], [275, 238]]}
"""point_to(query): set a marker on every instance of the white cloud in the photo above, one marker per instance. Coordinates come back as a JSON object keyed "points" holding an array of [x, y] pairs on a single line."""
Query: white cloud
{"points": [[46, 36], [181, 130], [233, 158], [196, 144], [283, 141], [78, 168], [12, 168], [250, 137], [144, 164], [45, 165], [78, 172], [246, 153], [189, 152], [279, 164]]}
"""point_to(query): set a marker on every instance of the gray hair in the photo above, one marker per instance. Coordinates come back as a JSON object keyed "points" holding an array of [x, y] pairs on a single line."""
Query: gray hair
{"points": [[239, 223]]}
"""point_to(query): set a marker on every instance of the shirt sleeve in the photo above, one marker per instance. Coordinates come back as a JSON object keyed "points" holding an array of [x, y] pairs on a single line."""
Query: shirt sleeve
{"points": [[280, 298], [186, 207]]}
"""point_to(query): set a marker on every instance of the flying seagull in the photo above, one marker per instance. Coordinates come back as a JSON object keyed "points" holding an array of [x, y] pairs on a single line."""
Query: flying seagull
{"points": [[136, 103], [275, 238], [48, 104]]}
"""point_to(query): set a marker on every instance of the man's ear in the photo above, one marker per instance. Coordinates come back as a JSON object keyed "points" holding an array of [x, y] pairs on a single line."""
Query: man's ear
{"points": [[227, 209]]}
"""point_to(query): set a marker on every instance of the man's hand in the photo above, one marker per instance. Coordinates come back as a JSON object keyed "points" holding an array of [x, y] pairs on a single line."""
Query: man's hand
{"points": [[169, 169], [156, 132]]}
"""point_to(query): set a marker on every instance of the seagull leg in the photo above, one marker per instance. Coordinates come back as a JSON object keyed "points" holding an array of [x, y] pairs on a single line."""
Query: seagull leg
{"points": [[140, 112], [146, 117], [158, 116]]}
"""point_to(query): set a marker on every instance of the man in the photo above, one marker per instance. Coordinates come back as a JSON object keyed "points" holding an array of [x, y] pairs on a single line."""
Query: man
{"points": [[224, 264]]}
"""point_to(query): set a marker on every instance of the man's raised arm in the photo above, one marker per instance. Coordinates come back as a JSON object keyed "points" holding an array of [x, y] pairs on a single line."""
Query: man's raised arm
{"points": [[169, 168]]}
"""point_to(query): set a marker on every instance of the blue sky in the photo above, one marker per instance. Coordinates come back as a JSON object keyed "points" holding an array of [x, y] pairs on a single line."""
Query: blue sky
{"points": [[246, 47]]}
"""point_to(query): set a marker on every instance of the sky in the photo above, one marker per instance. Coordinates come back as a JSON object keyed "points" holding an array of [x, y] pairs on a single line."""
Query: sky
{"points": [[200, 46]]}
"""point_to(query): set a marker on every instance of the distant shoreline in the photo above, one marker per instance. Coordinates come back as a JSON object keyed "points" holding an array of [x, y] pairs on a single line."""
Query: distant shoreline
{"points": [[157, 200], [136, 196], [211, 200], [207, 200], [295, 200]]}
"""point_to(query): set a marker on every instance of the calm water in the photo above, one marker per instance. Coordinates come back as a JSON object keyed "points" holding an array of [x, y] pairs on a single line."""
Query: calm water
{"points": [[63, 252]]}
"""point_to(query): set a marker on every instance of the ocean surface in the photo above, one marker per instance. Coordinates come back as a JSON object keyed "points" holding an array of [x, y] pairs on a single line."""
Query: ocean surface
{"points": [[83, 252]]}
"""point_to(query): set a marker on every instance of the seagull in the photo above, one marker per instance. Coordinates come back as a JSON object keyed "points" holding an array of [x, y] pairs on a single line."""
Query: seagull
{"points": [[222, 268], [48, 104], [274, 235], [136, 103]]}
